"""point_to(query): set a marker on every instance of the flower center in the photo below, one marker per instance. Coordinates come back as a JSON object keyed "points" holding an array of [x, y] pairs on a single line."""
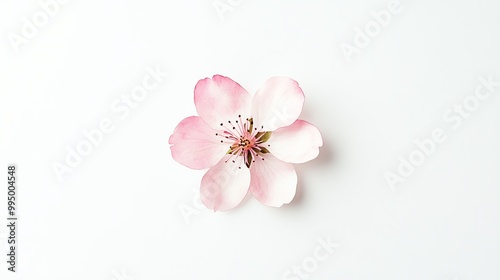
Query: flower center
{"points": [[245, 143], [244, 140]]}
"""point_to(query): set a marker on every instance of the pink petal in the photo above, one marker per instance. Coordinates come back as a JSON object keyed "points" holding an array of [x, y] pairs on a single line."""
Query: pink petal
{"points": [[195, 145], [296, 143], [273, 182], [277, 103], [225, 185], [220, 99]]}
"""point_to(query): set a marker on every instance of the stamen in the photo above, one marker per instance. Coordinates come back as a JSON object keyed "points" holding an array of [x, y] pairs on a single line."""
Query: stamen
{"points": [[255, 132], [246, 144]]}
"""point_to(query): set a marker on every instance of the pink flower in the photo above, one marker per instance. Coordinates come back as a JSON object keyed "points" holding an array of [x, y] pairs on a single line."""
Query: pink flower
{"points": [[249, 143]]}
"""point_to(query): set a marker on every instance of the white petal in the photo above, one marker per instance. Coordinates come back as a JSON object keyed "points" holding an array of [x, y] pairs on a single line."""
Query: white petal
{"points": [[225, 185], [220, 99], [273, 182], [296, 143], [195, 145], [277, 103]]}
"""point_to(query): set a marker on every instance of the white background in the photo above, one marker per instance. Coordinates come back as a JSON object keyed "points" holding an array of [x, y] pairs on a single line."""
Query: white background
{"points": [[117, 214]]}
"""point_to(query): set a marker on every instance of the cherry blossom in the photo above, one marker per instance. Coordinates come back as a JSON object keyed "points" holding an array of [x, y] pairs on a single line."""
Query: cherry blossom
{"points": [[248, 143]]}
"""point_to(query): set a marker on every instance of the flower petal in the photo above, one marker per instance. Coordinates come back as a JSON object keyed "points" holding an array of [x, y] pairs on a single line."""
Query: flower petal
{"points": [[225, 185], [195, 145], [273, 182], [221, 99], [277, 103], [296, 143]]}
